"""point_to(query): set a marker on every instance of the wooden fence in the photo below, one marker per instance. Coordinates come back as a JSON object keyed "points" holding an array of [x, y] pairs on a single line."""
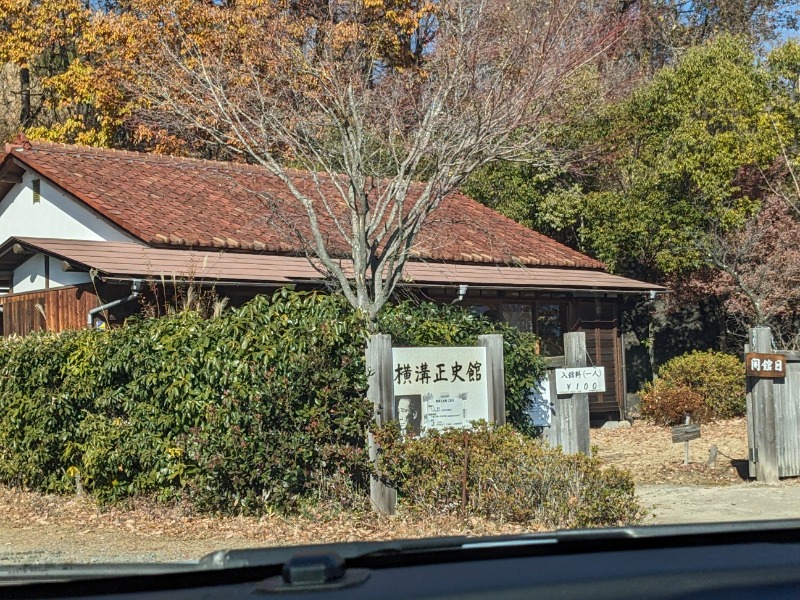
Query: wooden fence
{"points": [[51, 310], [773, 415]]}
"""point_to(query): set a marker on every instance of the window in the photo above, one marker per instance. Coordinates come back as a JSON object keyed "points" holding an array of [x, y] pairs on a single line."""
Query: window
{"points": [[546, 319], [484, 310], [550, 328], [518, 315]]}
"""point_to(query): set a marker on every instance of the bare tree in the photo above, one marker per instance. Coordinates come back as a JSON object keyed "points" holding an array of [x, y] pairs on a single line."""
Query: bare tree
{"points": [[759, 270], [285, 90]]}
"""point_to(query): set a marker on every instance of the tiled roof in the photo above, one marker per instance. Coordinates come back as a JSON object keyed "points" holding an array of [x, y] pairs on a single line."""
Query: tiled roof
{"points": [[129, 259], [168, 201]]}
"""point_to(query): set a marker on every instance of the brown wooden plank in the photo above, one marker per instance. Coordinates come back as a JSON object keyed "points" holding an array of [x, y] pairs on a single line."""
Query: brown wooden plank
{"points": [[64, 308], [685, 433]]}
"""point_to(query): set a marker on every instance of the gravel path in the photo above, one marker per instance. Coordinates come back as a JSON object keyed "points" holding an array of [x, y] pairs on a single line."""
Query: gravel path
{"points": [[704, 504]]}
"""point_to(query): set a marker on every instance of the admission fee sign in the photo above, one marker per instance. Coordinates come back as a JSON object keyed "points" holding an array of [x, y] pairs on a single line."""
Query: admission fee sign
{"points": [[580, 380], [448, 384]]}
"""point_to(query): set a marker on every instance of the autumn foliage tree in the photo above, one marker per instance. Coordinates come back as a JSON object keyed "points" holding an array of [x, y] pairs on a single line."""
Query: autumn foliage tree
{"points": [[756, 271], [57, 81], [370, 97], [38, 42]]}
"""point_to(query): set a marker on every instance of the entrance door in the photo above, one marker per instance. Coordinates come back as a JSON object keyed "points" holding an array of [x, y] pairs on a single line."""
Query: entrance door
{"points": [[599, 319]]}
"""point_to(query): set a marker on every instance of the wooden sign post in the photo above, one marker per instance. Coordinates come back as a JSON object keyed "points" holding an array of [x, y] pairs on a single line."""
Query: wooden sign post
{"points": [[685, 433], [761, 386], [379, 373], [575, 408]]}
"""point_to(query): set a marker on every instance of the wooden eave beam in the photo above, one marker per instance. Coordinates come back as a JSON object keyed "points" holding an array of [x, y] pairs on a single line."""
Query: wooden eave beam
{"points": [[12, 172], [10, 178]]}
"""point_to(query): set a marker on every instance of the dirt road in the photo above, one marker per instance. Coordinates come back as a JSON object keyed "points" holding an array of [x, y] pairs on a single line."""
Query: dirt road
{"points": [[705, 504]]}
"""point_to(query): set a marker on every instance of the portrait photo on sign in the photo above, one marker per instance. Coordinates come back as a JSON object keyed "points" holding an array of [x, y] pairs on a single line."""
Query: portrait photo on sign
{"points": [[408, 409]]}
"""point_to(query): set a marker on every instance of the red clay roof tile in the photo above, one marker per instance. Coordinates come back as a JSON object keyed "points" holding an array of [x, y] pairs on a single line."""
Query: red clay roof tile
{"points": [[169, 201]]}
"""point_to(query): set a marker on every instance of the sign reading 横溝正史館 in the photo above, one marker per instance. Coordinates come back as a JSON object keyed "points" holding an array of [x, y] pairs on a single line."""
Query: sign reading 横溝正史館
{"points": [[765, 365], [580, 380], [451, 384]]}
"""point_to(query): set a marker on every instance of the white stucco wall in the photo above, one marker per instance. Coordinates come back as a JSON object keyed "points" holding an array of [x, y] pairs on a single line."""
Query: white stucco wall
{"points": [[30, 275], [59, 278], [54, 216]]}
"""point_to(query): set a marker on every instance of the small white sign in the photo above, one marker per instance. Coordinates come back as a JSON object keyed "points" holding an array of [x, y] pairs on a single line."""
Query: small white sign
{"points": [[581, 380], [540, 409], [443, 411]]}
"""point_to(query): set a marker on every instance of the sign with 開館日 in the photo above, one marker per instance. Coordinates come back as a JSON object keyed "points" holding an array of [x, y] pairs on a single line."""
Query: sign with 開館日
{"points": [[580, 380], [765, 365]]}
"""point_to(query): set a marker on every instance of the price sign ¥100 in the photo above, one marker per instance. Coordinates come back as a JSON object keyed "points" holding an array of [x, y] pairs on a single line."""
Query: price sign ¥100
{"points": [[581, 380]]}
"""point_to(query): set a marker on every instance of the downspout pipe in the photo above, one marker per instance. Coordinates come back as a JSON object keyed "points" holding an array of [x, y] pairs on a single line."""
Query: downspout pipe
{"points": [[136, 292]]}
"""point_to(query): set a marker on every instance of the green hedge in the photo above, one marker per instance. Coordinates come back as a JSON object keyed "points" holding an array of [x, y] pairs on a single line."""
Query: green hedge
{"points": [[248, 410], [236, 412]]}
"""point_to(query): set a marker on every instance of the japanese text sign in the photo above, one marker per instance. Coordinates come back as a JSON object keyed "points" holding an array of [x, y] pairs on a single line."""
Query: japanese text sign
{"points": [[540, 409], [765, 365], [441, 387], [580, 380]]}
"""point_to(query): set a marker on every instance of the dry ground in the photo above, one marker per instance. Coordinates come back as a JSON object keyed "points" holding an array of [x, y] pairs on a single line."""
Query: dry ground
{"points": [[697, 493], [37, 528], [648, 453]]}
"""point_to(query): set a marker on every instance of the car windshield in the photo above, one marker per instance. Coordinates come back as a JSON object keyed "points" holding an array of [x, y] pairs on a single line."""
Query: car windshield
{"points": [[285, 273]]}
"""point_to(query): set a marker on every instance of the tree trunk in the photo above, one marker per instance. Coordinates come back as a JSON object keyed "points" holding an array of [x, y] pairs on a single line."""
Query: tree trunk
{"points": [[25, 96]]}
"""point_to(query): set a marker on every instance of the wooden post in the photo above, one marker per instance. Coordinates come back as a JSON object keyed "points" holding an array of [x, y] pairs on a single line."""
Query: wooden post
{"points": [[751, 436], [496, 374], [686, 421], [555, 432], [381, 392], [575, 409], [764, 426]]}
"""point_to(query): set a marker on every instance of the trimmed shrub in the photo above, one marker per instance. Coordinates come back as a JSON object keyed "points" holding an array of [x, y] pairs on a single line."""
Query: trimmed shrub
{"points": [[510, 477], [717, 379], [667, 404], [262, 407]]}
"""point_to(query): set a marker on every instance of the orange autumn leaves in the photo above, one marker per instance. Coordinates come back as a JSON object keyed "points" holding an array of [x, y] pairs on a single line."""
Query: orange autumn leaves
{"points": [[84, 62]]}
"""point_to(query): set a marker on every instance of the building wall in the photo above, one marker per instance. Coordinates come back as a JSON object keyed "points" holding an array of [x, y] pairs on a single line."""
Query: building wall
{"points": [[33, 275], [55, 215], [550, 315], [30, 275]]}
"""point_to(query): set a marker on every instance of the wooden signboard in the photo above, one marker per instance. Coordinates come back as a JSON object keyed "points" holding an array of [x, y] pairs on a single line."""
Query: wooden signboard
{"points": [[684, 433], [765, 365]]}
